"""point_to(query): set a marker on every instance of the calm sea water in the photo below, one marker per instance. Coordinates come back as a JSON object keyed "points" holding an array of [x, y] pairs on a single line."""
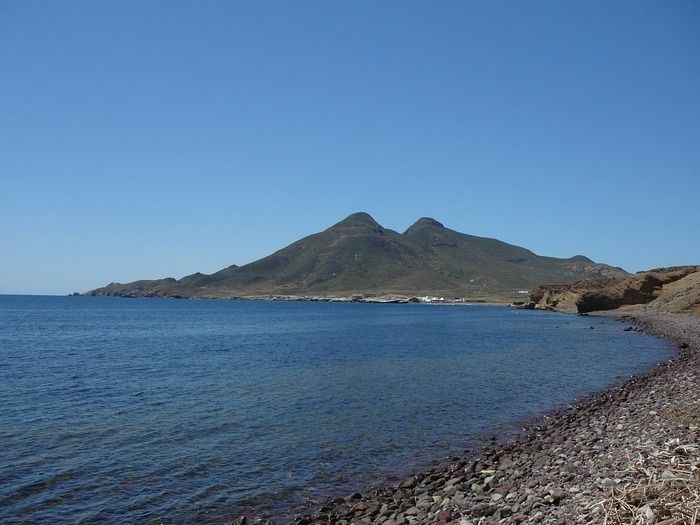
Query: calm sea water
{"points": [[119, 411]]}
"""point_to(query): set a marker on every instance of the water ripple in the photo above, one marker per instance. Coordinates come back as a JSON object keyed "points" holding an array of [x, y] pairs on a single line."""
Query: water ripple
{"points": [[144, 411]]}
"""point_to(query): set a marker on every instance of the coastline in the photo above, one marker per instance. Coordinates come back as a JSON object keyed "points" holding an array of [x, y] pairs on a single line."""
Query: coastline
{"points": [[627, 454], [386, 298]]}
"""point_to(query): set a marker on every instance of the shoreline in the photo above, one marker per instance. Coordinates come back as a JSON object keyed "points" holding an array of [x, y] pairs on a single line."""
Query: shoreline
{"points": [[387, 298], [613, 456]]}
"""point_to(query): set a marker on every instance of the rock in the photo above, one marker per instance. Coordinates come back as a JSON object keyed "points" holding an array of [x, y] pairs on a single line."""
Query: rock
{"points": [[408, 484], [556, 496], [482, 509], [506, 463], [398, 496], [424, 503], [541, 461], [504, 489], [647, 513], [608, 483], [609, 293]]}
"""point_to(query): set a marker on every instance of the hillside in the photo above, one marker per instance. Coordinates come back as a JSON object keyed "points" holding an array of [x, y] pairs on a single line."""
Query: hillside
{"points": [[359, 256], [675, 290]]}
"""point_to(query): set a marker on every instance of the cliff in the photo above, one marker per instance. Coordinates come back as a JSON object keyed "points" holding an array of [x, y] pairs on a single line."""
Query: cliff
{"points": [[674, 289]]}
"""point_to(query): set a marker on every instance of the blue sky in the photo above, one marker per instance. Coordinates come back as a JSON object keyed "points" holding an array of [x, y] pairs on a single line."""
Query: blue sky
{"points": [[150, 139]]}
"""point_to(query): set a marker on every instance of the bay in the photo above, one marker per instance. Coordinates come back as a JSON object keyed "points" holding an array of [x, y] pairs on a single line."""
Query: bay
{"points": [[152, 410]]}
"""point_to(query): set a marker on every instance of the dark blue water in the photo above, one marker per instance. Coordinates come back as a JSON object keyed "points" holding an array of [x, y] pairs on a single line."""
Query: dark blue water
{"points": [[149, 411]]}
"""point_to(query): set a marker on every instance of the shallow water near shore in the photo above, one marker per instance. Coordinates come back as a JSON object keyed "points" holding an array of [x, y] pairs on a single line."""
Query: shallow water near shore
{"points": [[153, 410]]}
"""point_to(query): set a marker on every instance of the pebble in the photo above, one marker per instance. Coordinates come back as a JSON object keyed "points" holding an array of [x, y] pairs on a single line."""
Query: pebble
{"points": [[667, 474]]}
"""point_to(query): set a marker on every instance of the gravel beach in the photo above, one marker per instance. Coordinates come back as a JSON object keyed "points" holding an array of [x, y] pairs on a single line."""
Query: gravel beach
{"points": [[630, 454]]}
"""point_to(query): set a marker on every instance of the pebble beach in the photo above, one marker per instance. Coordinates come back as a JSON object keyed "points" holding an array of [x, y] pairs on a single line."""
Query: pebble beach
{"points": [[626, 455]]}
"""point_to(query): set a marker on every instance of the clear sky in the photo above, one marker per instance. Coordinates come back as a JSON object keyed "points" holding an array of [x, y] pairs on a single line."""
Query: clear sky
{"points": [[150, 139]]}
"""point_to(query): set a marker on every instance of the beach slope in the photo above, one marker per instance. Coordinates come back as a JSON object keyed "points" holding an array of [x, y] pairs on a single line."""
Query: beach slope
{"points": [[630, 454]]}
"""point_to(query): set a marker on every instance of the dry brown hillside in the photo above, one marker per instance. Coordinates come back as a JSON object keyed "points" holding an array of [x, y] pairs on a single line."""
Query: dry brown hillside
{"points": [[680, 296], [674, 290]]}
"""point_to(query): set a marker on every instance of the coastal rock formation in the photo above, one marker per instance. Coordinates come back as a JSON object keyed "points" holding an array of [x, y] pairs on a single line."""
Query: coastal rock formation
{"points": [[669, 289], [359, 256], [682, 296]]}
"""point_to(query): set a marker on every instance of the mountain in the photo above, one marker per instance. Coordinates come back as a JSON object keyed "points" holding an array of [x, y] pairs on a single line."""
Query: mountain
{"points": [[359, 256]]}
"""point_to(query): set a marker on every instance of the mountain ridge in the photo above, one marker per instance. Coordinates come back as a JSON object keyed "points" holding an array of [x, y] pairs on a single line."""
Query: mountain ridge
{"points": [[357, 255]]}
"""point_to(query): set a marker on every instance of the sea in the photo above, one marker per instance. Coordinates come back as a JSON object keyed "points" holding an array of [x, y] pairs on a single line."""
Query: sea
{"points": [[123, 411]]}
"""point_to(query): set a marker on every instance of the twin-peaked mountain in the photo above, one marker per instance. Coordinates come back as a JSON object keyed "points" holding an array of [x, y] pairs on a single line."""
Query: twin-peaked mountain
{"points": [[359, 256]]}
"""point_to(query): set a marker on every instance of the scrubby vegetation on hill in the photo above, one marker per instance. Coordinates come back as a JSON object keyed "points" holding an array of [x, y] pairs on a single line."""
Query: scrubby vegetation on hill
{"points": [[359, 256]]}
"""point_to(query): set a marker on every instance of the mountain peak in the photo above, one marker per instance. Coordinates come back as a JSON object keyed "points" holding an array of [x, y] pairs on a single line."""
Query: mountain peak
{"points": [[428, 221], [581, 259], [358, 219], [424, 222]]}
